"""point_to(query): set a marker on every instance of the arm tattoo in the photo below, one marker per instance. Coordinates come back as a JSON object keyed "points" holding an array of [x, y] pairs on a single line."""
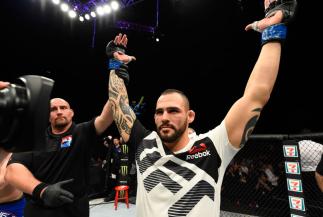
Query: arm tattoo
{"points": [[124, 117], [249, 127]]}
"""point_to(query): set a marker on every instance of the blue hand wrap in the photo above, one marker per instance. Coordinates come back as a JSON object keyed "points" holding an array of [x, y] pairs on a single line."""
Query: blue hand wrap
{"points": [[114, 64], [120, 68], [276, 32]]}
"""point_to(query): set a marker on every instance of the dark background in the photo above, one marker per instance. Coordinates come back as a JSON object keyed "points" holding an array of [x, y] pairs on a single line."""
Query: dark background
{"points": [[203, 51]]}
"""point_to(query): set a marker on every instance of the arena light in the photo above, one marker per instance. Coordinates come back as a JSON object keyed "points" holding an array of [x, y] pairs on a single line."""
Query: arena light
{"points": [[100, 10], [90, 8], [56, 2], [72, 14], [93, 14], [64, 7], [87, 10], [107, 9], [114, 5], [87, 17], [93, 8]]}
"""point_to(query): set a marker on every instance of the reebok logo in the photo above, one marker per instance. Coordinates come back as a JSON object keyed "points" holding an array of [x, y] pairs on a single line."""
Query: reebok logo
{"points": [[195, 149], [198, 155]]}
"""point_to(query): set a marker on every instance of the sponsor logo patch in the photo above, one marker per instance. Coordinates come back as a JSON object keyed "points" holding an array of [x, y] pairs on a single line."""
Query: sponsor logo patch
{"points": [[66, 141], [292, 168], [290, 151], [198, 155], [296, 203], [294, 185], [201, 147]]}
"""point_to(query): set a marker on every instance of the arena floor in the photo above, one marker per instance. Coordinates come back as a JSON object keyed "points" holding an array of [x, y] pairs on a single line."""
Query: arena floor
{"points": [[99, 208]]}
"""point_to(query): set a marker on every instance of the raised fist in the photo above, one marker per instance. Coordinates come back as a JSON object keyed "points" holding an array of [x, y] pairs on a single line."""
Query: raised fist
{"points": [[276, 11]]}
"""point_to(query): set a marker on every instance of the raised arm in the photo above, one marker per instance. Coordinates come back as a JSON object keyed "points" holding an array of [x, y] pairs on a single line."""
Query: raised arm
{"points": [[243, 115], [105, 119], [123, 114]]}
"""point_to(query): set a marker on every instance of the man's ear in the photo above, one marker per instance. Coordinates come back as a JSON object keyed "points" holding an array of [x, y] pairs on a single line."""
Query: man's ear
{"points": [[191, 116]]}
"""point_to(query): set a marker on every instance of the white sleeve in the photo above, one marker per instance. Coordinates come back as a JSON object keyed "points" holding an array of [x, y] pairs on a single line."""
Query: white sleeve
{"points": [[225, 149]]}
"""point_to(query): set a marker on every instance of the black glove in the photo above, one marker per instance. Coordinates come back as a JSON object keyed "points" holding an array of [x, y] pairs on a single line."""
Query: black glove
{"points": [[54, 195], [112, 47], [278, 31], [120, 68], [288, 7]]}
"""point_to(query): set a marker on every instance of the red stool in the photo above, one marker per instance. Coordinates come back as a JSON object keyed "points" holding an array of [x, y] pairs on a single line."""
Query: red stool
{"points": [[121, 196]]}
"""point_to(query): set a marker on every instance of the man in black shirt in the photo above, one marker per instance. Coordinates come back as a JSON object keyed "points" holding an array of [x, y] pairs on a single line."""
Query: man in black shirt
{"points": [[55, 180]]}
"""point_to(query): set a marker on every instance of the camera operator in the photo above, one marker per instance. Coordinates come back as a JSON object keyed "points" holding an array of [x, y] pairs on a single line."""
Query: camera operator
{"points": [[12, 202]]}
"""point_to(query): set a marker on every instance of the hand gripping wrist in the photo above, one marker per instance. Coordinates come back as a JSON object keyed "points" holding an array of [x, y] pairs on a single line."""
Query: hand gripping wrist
{"points": [[121, 69], [112, 47], [288, 7]]}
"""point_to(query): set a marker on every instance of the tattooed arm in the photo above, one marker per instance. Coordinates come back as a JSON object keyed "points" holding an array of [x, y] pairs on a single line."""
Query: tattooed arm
{"points": [[123, 115], [243, 115]]}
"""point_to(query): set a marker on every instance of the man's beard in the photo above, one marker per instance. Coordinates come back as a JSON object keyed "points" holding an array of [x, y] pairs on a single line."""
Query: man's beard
{"points": [[61, 124], [173, 137]]}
